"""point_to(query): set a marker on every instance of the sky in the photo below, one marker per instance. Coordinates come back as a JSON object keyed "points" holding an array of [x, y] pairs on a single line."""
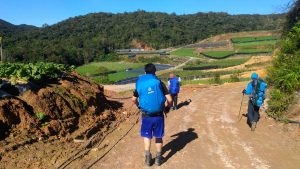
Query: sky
{"points": [[39, 12]]}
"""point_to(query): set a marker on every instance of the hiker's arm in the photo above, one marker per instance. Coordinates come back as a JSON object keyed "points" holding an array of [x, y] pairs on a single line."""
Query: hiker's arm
{"points": [[169, 100], [249, 89], [135, 98], [167, 94]]}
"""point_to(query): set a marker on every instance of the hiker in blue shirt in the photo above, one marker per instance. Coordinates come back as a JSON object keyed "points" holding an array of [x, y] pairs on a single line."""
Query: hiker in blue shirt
{"points": [[256, 90], [174, 88], [150, 96]]}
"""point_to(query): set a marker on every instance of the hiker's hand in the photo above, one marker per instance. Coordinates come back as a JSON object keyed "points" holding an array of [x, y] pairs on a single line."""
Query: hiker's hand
{"points": [[244, 91], [167, 109]]}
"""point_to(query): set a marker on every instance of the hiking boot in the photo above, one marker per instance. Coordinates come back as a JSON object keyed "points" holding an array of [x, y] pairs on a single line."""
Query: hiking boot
{"points": [[253, 126], [148, 159], [158, 160]]}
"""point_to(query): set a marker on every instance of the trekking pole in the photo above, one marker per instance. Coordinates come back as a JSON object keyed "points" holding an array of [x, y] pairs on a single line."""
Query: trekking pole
{"points": [[239, 116]]}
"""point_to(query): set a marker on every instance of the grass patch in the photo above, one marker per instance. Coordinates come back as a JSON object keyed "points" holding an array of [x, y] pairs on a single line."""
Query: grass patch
{"points": [[212, 81], [185, 52], [97, 67], [253, 51], [256, 43], [218, 54], [185, 73], [121, 75], [253, 39], [219, 63]]}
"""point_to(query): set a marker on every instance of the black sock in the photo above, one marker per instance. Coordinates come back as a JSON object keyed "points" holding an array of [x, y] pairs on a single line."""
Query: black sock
{"points": [[147, 152]]}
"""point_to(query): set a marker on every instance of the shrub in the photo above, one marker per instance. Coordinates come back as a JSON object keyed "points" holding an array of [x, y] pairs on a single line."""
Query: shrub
{"points": [[216, 79], [234, 77], [284, 76]]}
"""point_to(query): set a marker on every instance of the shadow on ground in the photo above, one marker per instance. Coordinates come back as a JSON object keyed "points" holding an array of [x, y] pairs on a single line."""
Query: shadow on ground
{"points": [[185, 103], [182, 139]]}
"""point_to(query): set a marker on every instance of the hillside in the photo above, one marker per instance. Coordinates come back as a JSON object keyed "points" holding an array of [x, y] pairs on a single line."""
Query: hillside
{"points": [[8, 29], [82, 39]]}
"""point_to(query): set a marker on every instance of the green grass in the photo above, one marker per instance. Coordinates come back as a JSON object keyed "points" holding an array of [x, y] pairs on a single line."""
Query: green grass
{"points": [[210, 81], [95, 67], [114, 77], [184, 52], [257, 43], [218, 54], [186, 73], [253, 51], [221, 63], [252, 39]]}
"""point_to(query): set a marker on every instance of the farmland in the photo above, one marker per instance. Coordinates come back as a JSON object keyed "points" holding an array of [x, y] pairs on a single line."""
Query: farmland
{"points": [[96, 68], [185, 52], [256, 43], [254, 50], [218, 54], [253, 39], [219, 63]]}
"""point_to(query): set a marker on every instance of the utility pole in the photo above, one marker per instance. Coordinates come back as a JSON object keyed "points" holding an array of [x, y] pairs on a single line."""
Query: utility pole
{"points": [[1, 49]]}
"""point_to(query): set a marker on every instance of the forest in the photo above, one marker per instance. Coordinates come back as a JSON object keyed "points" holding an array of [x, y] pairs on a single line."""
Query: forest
{"points": [[82, 39]]}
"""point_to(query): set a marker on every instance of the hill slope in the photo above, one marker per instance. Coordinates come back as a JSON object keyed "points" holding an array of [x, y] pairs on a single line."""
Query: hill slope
{"points": [[81, 39]]}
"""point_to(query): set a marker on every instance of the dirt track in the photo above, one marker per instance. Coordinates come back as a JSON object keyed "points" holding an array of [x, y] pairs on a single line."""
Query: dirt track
{"points": [[208, 136]]}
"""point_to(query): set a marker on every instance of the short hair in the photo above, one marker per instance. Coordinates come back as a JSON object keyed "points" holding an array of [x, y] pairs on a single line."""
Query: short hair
{"points": [[150, 68]]}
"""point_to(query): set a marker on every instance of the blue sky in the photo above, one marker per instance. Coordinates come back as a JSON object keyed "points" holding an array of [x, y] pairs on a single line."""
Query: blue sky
{"points": [[38, 12]]}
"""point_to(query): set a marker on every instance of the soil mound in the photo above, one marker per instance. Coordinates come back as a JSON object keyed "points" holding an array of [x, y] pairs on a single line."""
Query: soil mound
{"points": [[72, 107]]}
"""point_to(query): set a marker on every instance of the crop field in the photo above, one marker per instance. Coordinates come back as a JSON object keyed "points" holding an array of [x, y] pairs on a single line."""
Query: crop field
{"points": [[218, 54], [184, 52], [188, 73], [97, 67], [32, 71], [254, 50], [253, 39], [114, 77], [256, 43], [219, 63]]}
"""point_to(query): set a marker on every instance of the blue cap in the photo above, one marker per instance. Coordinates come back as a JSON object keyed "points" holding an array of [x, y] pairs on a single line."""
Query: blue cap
{"points": [[254, 76]]}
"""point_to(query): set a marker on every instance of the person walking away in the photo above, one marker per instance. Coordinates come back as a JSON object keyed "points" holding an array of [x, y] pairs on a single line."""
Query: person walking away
{"points": [[256, 89], [150, 96], [174, 88]]}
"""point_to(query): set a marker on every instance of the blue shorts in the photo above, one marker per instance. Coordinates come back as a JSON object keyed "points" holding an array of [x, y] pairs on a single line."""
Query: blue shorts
{"points": [[153, 126]]}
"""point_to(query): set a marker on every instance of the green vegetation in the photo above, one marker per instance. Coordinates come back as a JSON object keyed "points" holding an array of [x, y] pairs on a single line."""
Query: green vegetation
{"points": [[32, 71], [284, 76], [256, 43], [219, 63], [41, 116], [218, 54], [254, 51], [82, 39], [121, 75], [213, 81], [188, 73], [185, 52], [97, 68], [253, 39]]}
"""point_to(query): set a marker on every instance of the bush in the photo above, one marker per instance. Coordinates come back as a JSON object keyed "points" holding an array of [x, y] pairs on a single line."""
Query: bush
{"points": [[284, 76], [234, 77], [216, 79], [104, 79]]}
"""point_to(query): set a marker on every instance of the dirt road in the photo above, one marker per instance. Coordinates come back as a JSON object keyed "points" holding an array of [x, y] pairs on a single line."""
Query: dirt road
{"points": [[205, 134]]}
